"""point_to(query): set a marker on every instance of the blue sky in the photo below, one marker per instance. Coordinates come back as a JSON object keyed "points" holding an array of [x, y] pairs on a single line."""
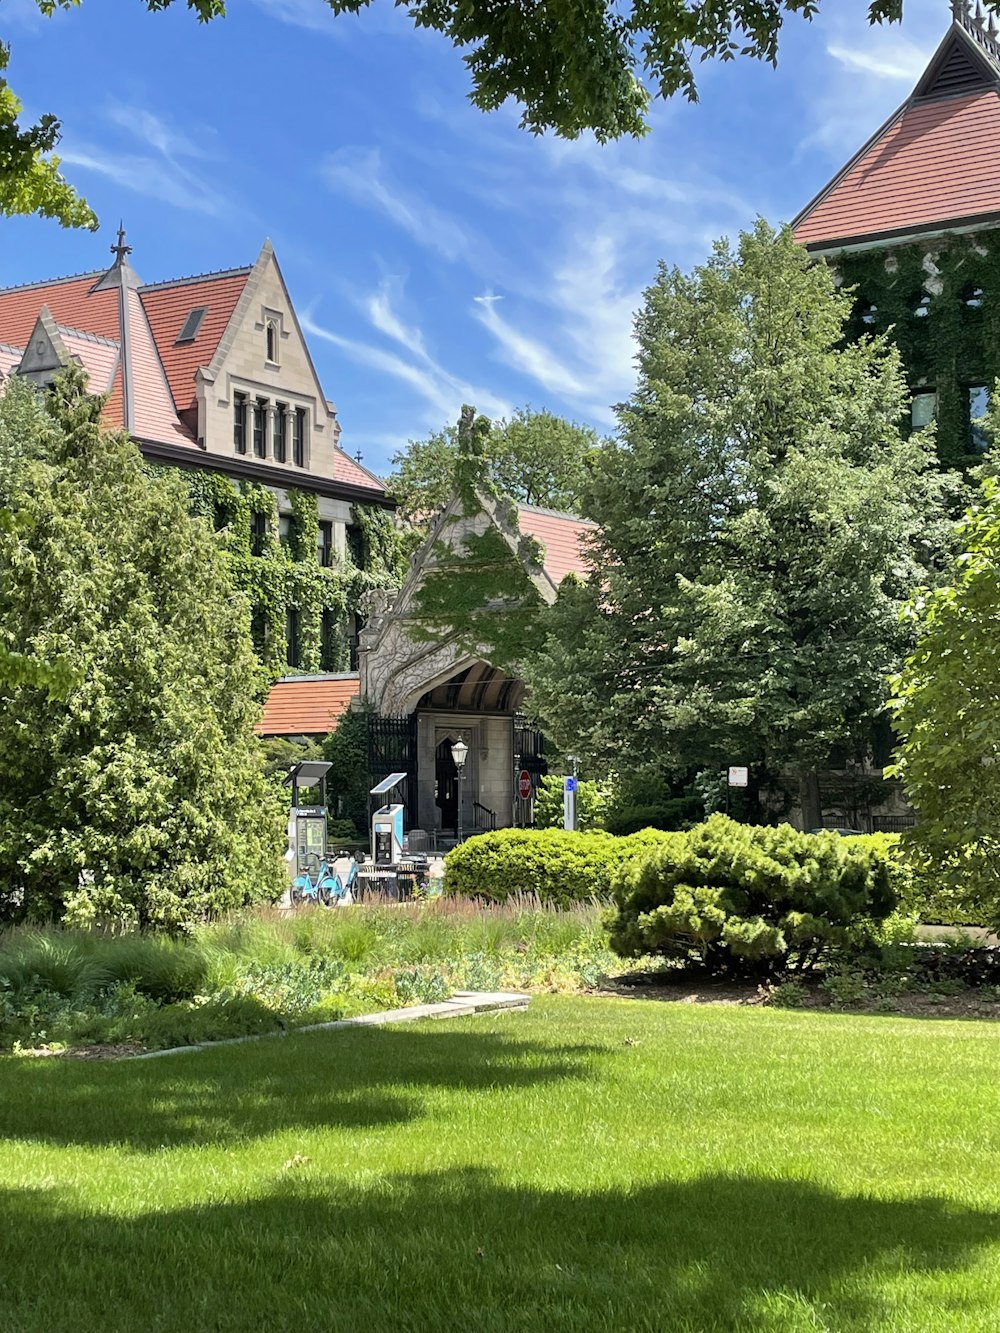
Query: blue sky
{"points": [[435, 255]]}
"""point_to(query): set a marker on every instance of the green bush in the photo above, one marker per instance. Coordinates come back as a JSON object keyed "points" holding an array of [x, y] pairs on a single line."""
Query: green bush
{"points": [[342, 833], [732, 894], [679, 812], [559, 867]]}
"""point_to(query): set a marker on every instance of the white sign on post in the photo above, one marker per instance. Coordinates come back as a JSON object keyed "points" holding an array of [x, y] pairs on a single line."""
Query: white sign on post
{"points": [[738, 777]]}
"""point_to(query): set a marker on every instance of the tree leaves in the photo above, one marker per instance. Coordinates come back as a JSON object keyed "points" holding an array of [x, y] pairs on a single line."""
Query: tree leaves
{"points": [[139, 797], [762, 521]]}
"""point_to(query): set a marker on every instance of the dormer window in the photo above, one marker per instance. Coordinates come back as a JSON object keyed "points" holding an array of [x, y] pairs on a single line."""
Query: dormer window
{"points": [[921, 305], [972, 297], [271, 338], [867, 311], [191, 325]]}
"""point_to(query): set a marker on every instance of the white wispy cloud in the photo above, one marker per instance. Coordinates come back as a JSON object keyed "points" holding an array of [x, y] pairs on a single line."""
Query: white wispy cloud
{"points": [[442, 392], [313, 15], [902, 61], [161, 173], [527, 354], [359, 174]]}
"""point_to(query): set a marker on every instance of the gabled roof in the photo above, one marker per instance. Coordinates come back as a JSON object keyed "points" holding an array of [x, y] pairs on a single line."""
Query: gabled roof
{"points": [[562, 537], [934, 164], [127, 336], [100, 322], [307, 705], [167, 306]]}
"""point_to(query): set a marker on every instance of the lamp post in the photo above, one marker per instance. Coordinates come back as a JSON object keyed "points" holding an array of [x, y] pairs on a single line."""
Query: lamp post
{"points": [[459, 751]]}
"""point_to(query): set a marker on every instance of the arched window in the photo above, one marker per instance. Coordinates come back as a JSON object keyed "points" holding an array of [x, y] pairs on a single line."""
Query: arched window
{"points": [[272, 341], [972, 297], [920, 305], [867, 312]]}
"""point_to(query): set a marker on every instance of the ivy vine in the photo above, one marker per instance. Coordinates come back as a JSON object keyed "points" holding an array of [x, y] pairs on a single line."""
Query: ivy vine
{"points": [[278, 577], [941, 300]]}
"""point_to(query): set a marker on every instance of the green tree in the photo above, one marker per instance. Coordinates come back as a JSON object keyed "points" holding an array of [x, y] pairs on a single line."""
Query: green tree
{"points": [[945, 702], [571, 70], [141, 798], [535, 458], [762, 520]]}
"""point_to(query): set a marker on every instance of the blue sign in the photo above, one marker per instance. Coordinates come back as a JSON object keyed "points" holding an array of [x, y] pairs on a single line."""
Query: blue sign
{"points": [[571, 784]]}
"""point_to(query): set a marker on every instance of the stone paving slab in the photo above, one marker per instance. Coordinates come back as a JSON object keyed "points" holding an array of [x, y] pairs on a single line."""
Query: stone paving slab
{"points": [[461, 1004]]}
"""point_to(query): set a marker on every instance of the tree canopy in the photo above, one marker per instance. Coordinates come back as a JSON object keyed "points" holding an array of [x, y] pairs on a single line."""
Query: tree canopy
{"points": [[140, 799], [534, 458], [761, 522], [571, 69]]}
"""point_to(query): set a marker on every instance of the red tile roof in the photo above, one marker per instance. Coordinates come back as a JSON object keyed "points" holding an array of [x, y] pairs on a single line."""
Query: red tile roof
{"points": [[167, 306], [153, 414], [307, 705], [561, 536], [935, 162], [72, 301], [345, 469]]}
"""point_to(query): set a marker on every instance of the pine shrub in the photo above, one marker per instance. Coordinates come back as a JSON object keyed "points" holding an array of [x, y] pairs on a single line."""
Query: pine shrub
{"points": [[742, 897]]}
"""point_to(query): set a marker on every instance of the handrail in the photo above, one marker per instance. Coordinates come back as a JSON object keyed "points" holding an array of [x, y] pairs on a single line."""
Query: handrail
{"points": [[485, 817]]}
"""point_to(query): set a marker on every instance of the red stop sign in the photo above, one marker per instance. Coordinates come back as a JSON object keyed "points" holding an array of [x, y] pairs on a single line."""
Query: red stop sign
{"points": [[524, 784]]}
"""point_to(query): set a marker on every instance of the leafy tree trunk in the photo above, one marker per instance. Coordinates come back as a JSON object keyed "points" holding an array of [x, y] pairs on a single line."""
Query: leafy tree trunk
{"points": [[812, 808]]}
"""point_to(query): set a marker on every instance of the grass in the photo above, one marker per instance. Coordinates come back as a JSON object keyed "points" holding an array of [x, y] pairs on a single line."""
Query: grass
{"points": [[587, 1165]]}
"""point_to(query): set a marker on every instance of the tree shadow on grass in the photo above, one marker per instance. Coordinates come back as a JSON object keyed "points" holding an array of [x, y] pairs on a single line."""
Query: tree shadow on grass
{"points": [[349, 1080], [461, 1250]]}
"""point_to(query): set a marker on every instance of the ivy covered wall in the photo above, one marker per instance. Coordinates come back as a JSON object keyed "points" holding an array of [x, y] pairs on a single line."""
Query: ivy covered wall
{"points": [[942, 299], [280, 576]]}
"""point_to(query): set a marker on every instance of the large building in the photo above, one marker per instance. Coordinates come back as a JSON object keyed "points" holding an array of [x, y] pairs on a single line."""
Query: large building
{"points": [[912, 221], [212, 375]]}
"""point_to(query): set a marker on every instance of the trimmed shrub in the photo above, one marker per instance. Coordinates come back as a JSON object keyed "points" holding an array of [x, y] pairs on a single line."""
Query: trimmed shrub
{"points": [[559, 867], [679, 812], [733, 895]]}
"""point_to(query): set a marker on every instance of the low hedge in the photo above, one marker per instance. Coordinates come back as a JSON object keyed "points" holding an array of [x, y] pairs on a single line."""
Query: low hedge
{"points": [[730, 894], [679, 812], [561, 868]]}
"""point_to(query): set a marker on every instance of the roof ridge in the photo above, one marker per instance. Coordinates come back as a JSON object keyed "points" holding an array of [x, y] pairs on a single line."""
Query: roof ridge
{"points": [[9, 347], [554, 513], [317, 676], [197, 277], [51, 282], [90, 337]]}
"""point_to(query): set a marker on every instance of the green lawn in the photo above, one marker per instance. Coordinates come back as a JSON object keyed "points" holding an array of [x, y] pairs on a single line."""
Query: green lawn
{"points": [[587, 1165]]}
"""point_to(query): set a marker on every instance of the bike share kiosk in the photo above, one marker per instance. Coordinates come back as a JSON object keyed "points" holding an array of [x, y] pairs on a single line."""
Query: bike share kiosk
{"points": [[387, 824], [307, 825]]}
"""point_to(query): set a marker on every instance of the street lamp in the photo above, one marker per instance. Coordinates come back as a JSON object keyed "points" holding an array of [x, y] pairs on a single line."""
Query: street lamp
{"points": [[459, 752]]}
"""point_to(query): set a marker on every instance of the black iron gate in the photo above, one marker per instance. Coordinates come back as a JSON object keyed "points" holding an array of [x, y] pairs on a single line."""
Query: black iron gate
{"points": [[392, 748], [529, 756]]}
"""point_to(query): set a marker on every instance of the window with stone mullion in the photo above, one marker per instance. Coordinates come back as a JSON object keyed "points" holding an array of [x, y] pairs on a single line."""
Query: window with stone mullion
{"points": [[280, 432], [260, 428], [240, 422]]}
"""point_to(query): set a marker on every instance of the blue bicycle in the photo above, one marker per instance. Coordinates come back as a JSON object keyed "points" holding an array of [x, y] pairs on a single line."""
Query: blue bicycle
{"points": [[320, 885]]}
